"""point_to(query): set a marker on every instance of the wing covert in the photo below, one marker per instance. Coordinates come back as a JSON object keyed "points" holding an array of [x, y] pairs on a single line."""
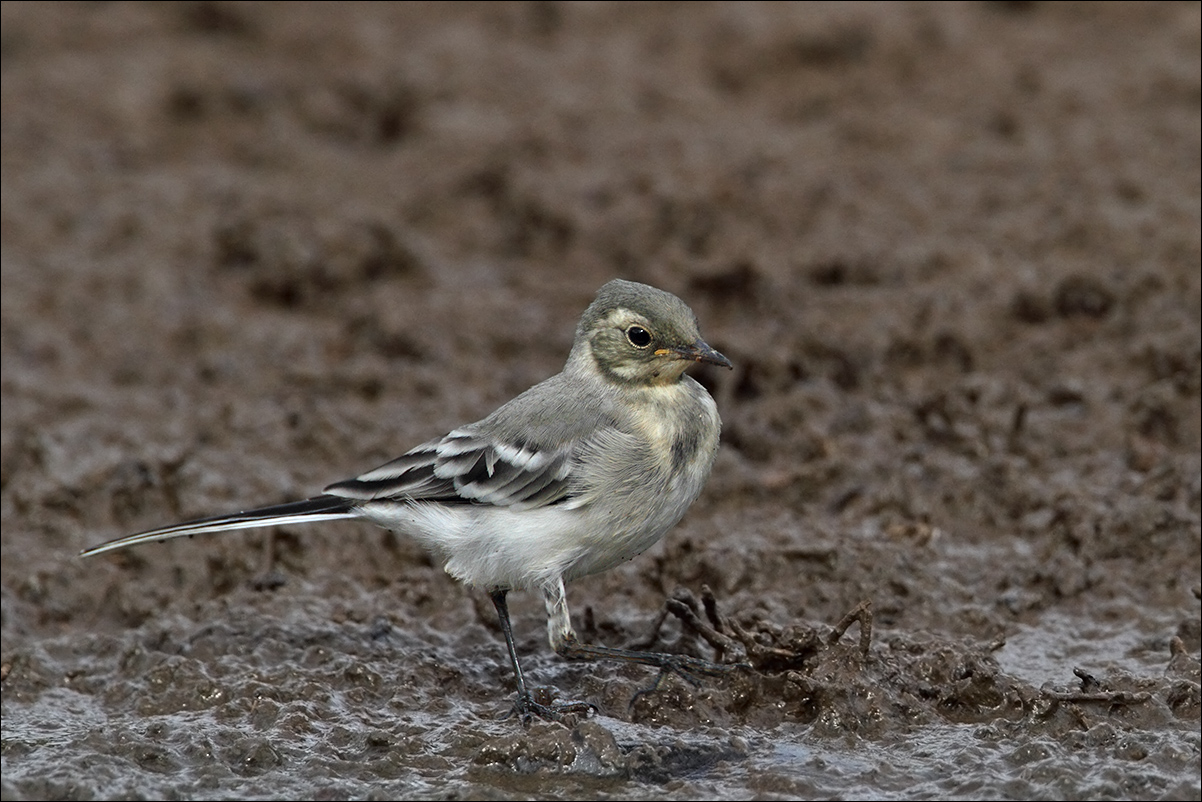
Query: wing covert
{"points": [[468, 467]]}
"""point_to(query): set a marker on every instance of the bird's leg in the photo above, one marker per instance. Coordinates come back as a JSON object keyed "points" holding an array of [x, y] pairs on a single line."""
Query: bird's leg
{"points": [[269, 577], [566, 645], [525, 706]]}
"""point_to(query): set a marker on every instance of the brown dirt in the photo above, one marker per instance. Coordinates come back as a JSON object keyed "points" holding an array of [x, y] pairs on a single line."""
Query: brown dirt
{"points": [[953, 249]]}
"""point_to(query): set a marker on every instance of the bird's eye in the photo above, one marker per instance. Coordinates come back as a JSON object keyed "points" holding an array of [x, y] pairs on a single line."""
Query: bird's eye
{"points": [[639, 337]]}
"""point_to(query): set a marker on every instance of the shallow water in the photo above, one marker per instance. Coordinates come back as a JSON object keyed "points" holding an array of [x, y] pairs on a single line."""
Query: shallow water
{"points": [[70, 749]]}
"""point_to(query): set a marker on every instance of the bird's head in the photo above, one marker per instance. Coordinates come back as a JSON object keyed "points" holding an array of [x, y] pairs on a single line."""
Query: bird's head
{"points": [[638, 334]]}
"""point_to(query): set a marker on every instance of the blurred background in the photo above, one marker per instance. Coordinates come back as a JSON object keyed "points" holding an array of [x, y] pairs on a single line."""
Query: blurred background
{"points": [[952, 248]]}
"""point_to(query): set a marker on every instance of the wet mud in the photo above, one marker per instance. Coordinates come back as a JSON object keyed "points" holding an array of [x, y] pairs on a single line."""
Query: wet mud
{"points": [[952, 249]]}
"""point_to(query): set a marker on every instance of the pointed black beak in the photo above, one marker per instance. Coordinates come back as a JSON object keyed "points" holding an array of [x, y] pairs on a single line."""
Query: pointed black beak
{"points": [[701, 352]]}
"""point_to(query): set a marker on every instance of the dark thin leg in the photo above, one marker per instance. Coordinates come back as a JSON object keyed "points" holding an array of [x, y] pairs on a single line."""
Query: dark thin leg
{"points": [[525, 706], [498, 601], [268, 577]]}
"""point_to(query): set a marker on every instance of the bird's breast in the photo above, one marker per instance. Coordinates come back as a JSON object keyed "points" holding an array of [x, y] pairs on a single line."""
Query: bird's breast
{"points": [[680, 425]]}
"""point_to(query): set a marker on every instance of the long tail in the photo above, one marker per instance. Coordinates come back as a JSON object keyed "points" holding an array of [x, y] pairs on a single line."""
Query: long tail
{"points": [[319, 508]]}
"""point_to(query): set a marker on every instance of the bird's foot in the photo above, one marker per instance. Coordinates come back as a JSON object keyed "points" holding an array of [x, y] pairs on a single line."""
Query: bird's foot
{"points": [[682, 665], [690, 669], [526, 708]]}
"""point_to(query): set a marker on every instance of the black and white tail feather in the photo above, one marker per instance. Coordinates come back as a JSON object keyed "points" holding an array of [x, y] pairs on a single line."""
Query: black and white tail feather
{"points": [[319, 508]]}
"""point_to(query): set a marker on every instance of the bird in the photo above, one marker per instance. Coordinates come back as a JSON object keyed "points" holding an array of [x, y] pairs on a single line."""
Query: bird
{"points": [[576, 475]]}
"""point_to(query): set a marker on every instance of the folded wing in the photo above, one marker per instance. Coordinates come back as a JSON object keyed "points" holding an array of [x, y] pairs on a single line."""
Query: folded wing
{"points": [[467, 467]]}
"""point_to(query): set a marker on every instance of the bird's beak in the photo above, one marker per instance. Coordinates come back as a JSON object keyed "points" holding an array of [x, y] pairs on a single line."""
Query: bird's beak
{"points": [[698, 352]]}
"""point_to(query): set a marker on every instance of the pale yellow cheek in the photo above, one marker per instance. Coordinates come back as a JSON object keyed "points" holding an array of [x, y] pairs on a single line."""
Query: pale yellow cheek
{"points": [[629, 371]]}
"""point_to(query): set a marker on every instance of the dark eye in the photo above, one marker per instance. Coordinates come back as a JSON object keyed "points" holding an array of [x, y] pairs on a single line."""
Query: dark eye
{"points": [[639, 337]]}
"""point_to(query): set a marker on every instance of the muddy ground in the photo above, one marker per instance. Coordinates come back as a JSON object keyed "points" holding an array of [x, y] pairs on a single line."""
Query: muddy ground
{"points": [[953, 250]]}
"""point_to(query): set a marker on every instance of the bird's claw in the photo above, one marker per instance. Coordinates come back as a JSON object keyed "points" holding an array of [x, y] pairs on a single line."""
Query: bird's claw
{"points": [[526, 709], [690, 669]]}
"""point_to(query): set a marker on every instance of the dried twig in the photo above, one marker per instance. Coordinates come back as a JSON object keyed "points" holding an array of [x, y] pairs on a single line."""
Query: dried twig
{"points": [[862, 612]]}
